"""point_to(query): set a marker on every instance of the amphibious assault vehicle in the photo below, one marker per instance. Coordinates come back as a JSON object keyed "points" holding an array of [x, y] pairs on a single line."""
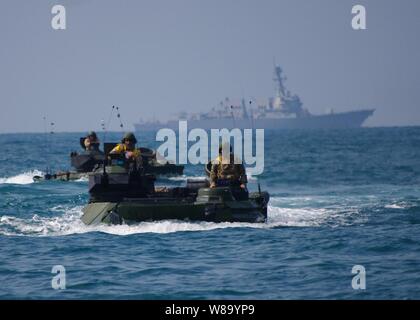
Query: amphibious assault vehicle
{"points": [[122, 192], [88, 160]]}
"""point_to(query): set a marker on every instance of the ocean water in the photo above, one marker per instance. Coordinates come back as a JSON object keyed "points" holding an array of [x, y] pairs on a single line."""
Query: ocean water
{"points": [[338, 199]]}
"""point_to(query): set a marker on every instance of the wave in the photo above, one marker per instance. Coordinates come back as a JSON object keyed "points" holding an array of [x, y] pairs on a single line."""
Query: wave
{"points": [[399, 205], [23, 178], [66, 221], [82, 179], [185, 178], [27, 178]]}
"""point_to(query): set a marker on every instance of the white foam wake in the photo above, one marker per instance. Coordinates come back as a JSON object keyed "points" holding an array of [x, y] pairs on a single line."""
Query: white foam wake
{"points": [[185, 178], [66, 221], [399, 205], [23, 178], [82, 179]]}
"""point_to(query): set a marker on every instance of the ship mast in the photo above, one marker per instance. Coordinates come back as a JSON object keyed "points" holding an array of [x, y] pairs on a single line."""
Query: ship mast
{"points": [[279, 81], [281, 92]]}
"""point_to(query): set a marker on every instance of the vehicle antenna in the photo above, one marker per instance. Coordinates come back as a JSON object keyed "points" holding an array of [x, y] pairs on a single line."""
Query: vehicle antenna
{"points": [[103, 129], [119, 118], [251, 111], [109, 122], [47, 138], [45, 125], [52, 124]]}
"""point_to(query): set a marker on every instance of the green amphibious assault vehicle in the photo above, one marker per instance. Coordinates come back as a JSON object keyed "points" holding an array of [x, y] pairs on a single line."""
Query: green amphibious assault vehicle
{"points": [[124, 192], [89, 160]]}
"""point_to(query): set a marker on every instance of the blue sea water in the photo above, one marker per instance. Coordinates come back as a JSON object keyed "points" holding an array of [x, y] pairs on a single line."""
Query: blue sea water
{"points": [[338, 199]]}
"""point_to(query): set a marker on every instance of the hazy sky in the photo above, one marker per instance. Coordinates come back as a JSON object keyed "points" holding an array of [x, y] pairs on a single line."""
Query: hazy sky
{"points": [[155, 58]]}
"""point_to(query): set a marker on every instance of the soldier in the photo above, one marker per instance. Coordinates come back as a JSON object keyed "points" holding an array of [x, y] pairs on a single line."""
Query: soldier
{"points": [[91, 142], [224, 172], [127, 147]]}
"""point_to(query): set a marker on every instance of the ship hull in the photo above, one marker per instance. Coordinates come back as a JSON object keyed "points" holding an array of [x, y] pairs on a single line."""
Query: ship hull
{"points": [[352, 119]]}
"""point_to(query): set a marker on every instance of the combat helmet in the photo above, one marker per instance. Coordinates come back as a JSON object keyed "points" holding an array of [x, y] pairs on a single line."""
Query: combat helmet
{"points": [[129, 136]]}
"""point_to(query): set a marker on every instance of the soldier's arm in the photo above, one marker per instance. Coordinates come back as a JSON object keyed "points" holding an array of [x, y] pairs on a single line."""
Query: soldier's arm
{"points": [[213, 174], [138, 158], [116, 150], [243, 179], [134, 155]]}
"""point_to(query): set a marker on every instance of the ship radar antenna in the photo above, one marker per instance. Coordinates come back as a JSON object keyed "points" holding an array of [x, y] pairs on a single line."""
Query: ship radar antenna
{"points": [[279, 81]]}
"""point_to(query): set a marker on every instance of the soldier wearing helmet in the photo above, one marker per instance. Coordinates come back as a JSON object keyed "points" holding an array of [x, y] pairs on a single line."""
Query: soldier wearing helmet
{"points": [[224, 170], [91, 142], [127, 147]]}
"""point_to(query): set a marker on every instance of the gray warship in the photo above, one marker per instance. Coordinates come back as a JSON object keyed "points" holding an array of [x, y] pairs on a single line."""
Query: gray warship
{"points": [[284, 111]]}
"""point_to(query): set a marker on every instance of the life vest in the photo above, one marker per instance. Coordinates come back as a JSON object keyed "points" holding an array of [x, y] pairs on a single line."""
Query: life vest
{"points": [[122, 148]]}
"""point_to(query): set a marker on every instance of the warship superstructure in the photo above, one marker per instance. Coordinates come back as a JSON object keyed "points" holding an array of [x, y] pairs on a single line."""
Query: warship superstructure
{"points": [[284, 111]]}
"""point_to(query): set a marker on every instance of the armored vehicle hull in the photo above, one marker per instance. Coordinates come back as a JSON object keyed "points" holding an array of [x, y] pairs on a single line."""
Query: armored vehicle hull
{"points": [[118, 195], [216, 205], [86, 162]]}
